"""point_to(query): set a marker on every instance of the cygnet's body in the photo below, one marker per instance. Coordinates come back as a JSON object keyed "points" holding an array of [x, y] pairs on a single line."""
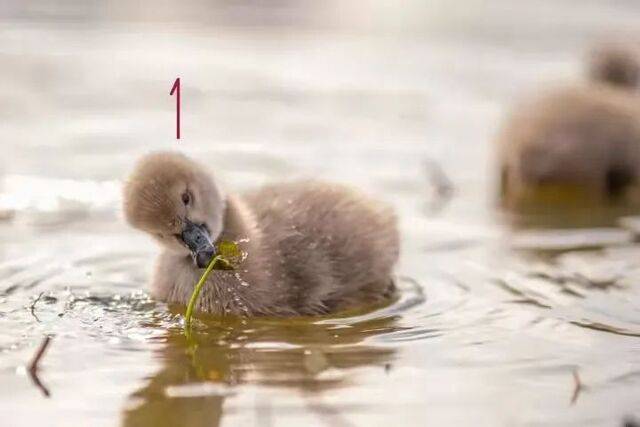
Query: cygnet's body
{"points": [[310, 247], [585, 137]]}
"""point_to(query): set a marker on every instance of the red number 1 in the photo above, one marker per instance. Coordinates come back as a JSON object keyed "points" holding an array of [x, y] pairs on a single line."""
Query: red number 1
{"points": [[176, 88]]}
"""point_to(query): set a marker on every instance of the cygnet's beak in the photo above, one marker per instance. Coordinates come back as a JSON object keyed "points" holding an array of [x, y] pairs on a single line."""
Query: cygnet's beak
{"points": [[198, 240]]}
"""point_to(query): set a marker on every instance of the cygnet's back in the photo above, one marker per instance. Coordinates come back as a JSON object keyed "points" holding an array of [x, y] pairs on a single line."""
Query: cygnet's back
{"points": [[331, 247]]}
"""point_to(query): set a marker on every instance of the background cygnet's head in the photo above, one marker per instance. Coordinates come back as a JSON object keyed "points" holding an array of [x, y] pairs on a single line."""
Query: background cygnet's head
{"points": [[615, 63], [176, 201]]}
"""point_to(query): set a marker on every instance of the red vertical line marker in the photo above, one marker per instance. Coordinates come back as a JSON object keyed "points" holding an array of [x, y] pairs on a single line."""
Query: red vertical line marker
{"points": [[176, 89]]}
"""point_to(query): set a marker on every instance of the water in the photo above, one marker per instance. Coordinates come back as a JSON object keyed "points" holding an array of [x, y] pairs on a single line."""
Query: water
{"points": [[496, 324]]}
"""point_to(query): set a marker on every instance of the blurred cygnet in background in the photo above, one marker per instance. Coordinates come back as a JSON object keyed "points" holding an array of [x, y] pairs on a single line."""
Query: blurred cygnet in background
{"points": [[577, 143]]}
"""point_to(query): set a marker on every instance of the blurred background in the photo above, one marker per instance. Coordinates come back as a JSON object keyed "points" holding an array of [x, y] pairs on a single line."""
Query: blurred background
{"points": [[495, 326]]}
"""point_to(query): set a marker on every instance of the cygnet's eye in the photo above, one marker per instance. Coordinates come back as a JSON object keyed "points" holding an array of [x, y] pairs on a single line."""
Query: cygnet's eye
{"points": [[187, 198]]}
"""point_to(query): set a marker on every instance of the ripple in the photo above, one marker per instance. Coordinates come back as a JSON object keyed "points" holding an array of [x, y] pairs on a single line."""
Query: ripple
{"points": [[567, 239], [606, 328]]}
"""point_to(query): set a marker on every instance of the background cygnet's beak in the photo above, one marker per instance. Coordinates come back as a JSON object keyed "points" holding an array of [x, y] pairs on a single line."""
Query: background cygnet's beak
{"points": [[197, 239]]}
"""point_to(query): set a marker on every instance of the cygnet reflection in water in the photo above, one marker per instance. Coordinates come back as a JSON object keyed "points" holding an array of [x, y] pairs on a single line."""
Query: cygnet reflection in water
{"points": [[197, 376]]}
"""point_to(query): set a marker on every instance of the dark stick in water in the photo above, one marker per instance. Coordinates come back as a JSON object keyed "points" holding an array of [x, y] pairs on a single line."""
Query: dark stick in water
{"points": [[33, 366], [578, 387], [32, 307]]}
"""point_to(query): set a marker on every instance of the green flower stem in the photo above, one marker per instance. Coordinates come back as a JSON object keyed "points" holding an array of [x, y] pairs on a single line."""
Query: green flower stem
{"points": [[196, 291]]}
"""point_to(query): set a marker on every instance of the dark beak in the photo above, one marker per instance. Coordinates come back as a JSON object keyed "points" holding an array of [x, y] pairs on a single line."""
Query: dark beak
{"points": [[198, 240]]}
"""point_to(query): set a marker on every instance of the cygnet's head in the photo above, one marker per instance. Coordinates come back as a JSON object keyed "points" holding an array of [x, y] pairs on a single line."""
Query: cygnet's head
{"points": [[177, 202], [615, 63]]}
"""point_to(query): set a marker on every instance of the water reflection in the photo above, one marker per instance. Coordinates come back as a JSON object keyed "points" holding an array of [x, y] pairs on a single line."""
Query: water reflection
{"points": [[307, 357], [562, 207]]}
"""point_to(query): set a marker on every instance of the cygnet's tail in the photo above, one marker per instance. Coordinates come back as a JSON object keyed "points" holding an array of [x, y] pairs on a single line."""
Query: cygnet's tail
{"points": [[616, 64]]}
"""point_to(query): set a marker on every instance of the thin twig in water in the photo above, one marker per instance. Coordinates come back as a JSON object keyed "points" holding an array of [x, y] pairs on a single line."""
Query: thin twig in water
{"points": [[33, 366], [577, 388], [32, 307]]}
